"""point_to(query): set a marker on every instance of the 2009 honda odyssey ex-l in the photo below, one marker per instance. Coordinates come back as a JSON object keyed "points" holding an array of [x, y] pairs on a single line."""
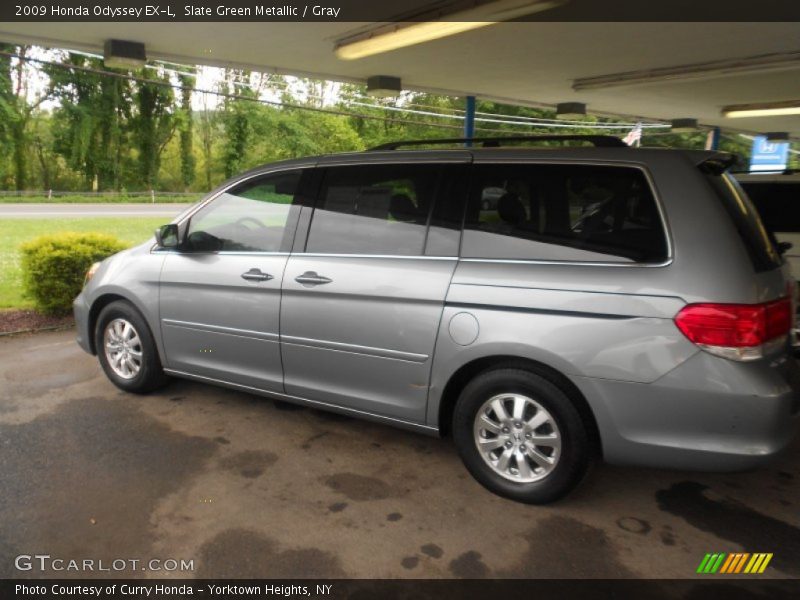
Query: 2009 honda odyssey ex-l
{"points": [[613, 302]]}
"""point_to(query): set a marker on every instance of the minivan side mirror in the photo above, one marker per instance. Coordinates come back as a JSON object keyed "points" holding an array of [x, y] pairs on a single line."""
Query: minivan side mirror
{"points": [[167, 236], [784, 247]]}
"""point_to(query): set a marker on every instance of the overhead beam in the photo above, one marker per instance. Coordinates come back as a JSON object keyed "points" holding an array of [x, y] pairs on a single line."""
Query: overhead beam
{"points": [[780, 61]]}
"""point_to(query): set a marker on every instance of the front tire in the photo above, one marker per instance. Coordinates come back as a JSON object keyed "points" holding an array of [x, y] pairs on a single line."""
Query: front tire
{"points": [[126, 349], [520, 436]]}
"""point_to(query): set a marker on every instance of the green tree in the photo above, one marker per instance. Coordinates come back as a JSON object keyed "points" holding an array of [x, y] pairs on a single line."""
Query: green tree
{"points": [[16, 112], [8, 114], [208, 123], [294, 133], [153, 124], [186, 127], [43, 146], [236, 120], [111, 116], [92, 122]]}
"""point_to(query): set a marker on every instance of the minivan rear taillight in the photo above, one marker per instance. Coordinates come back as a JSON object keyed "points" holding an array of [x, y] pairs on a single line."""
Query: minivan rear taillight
{"points": [[737, 331]]}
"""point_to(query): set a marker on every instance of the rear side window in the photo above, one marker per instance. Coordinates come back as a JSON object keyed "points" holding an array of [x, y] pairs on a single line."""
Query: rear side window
{"points": [[751, 229], [375, 209], [579, 213], [778, 204]]}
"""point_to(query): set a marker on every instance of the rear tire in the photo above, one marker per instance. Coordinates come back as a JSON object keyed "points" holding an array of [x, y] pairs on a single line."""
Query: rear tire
{"points": [[126, 349], [520, 436]]}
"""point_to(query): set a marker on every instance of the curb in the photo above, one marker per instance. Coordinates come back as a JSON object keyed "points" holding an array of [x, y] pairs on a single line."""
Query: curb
{"points": [[38, 330]]}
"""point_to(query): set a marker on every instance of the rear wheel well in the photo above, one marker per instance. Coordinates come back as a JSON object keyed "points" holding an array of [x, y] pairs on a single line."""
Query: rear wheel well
{"points": [[472, 369], [94, 312]]}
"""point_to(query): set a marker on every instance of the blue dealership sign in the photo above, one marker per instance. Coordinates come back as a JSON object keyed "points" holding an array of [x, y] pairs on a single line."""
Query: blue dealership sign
{"points": [[768, 156]]}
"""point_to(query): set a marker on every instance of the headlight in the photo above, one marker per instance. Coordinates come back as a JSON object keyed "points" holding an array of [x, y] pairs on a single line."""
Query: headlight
{"points": [[90, 273]]}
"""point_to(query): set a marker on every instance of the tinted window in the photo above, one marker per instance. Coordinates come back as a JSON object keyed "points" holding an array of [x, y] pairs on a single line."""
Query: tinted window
{"points": [[252, 217], [756, 239], [777, 203], [563, 212], [374, 209], [444, 232]]}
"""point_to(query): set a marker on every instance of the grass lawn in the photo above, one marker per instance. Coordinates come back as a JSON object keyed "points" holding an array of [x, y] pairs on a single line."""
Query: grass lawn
{"points": [[14, 232], [79, 199]]}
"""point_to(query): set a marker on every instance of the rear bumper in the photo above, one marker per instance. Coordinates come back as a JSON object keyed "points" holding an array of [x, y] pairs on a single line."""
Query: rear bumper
{"points": [[80, 309], [708, 414]]}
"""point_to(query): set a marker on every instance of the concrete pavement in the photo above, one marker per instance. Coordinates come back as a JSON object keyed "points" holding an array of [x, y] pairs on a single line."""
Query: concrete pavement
{"points": [[50, 211], [249, 488]]}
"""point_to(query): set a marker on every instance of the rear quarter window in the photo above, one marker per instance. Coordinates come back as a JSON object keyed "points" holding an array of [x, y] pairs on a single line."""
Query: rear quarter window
{"points": [[745, 217], [563, 212]]}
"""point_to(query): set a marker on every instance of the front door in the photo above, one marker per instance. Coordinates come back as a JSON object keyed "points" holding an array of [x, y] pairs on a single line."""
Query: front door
{"points": [[220, 294], [361, 305]]}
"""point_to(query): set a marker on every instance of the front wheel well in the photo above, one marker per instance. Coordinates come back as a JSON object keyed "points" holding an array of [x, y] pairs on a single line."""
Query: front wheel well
{"points": [[469, 371], [94, 312]]}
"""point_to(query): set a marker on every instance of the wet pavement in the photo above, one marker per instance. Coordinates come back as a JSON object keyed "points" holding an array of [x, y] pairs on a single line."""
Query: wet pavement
{"points": [[246, 487]]}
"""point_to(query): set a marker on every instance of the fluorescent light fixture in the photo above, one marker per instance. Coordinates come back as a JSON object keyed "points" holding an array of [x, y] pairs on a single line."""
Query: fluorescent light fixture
{"points": [[570, 110], [761, 63], [416, 33], [119, 54], [777, 136], [768, 109], [683, 125], [383, 86], [402, 34]]}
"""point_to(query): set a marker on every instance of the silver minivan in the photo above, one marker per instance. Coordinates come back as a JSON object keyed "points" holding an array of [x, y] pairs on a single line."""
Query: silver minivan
{"points": [[616, 303]]}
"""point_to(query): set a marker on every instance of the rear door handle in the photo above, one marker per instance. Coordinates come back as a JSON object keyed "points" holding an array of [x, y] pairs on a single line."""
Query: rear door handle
{"points": [[311, 278], [256, 275]]}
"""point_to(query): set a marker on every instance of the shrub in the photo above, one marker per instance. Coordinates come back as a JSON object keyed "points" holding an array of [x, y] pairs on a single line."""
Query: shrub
{"points": [[54, 266]]}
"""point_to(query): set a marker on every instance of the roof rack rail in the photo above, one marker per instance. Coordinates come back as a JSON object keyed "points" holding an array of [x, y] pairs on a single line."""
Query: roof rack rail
{"points": [[600, 141]]}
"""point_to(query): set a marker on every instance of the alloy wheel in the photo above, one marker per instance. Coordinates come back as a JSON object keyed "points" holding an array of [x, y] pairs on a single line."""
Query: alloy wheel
{"points": [[123, 348], [517, 437]]}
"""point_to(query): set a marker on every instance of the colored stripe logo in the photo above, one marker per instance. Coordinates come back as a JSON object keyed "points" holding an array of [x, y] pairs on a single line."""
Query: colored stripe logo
{"points": [[734, 563]]}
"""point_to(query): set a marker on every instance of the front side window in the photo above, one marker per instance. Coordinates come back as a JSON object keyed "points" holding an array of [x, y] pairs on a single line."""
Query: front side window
{"points": [[373, 209], [578, 213], [252, 217]]}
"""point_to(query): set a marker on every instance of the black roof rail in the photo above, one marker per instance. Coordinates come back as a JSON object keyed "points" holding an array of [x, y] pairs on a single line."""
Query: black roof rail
{"points": [[600, 141]]}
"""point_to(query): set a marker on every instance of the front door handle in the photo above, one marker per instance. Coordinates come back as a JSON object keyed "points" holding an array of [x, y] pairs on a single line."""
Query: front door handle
{"points": [[311, 278], [256, 275]]}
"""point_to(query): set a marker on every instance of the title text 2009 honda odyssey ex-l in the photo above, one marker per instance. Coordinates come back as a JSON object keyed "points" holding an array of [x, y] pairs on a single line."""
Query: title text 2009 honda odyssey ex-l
{"points": [[614, 302]]}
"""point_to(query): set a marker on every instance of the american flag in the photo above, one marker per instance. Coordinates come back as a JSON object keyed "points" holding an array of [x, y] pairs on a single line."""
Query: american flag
{"points": [[634, 137]]}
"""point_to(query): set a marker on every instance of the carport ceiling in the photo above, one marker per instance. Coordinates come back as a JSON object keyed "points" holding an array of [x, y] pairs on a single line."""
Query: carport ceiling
{"points": [[531, 63]]}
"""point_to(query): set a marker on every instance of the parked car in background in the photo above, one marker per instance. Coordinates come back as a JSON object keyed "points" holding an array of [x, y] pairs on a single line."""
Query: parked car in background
{"points": [[614, 302], [776, 196], [489, 197]]}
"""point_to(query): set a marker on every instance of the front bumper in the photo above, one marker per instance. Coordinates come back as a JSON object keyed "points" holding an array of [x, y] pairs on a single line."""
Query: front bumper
{"points": [[81, 308], [708, 414]]}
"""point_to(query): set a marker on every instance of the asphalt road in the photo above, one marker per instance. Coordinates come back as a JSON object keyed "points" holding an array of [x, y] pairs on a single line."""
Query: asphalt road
{"points": [[49, 211], [249, 488]]}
